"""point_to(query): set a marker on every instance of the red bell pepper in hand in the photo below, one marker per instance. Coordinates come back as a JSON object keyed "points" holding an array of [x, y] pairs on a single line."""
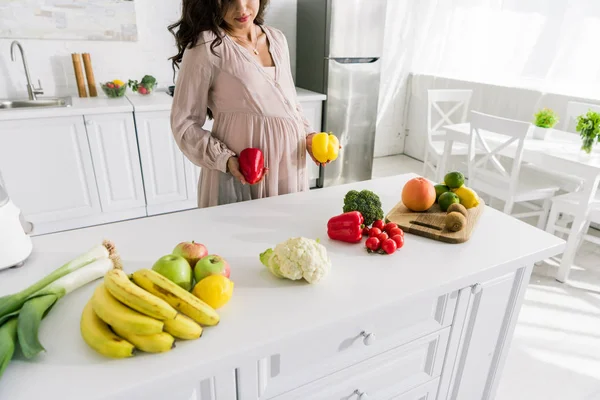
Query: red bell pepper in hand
{"points": [[347, 227], [252, 165]]}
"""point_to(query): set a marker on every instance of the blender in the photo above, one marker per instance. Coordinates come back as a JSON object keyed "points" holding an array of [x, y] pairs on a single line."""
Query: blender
{"points": [[15, 243]]}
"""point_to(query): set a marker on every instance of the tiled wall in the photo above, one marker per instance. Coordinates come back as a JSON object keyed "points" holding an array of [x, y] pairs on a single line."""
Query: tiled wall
{"points": [[50, 60]]}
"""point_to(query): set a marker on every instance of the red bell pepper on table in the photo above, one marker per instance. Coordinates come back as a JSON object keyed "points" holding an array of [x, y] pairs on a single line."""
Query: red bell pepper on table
{"points": [[252, 165], [347, 227]]}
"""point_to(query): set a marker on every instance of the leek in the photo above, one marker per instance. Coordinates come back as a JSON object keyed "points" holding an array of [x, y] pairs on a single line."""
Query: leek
{"points": [[39, 304], [29, 321], [14, 302], [8, 343]]}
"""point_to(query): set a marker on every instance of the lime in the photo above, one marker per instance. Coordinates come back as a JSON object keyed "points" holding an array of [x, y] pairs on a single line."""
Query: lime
{"points": [[439, 190], [446, 199], [214, 290], [454, 180]]}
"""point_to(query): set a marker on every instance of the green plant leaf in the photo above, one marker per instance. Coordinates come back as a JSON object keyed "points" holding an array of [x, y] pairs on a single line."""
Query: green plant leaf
{"points": [[545, 118]]}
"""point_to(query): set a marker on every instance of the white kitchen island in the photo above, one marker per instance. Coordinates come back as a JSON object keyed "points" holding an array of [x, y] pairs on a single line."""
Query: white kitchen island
{"points": [[432, 321]]}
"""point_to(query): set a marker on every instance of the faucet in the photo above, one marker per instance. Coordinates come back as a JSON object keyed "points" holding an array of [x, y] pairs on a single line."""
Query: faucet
{"points": [[31, 90]]}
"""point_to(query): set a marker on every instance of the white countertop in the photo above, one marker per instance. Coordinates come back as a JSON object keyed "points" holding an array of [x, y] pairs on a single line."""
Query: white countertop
{"points": [[158, 101], [80, 106], [263, 309]]}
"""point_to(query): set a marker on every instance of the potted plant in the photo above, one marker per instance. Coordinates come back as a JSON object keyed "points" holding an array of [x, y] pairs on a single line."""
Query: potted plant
{"points": [[545, 119], [588, 126]]}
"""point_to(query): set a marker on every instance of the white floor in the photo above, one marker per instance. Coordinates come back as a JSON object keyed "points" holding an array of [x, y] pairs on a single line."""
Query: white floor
{"points": [[555, 354]]}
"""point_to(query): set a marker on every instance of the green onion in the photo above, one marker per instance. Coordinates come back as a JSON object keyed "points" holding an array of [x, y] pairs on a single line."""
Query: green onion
{"points": [[15, 302]]}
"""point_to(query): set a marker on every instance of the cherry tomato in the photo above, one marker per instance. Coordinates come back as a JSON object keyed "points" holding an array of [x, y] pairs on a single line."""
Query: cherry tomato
{"points": [[374, 232], [395, 231], [373, 244], [389, 246], [389, 226], [399, 239], [365, 231], [378, 224], [382, 237]]}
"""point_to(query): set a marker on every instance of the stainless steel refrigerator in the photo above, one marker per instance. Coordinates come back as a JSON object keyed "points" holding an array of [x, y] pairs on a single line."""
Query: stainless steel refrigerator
{"points": [[339, 44]]}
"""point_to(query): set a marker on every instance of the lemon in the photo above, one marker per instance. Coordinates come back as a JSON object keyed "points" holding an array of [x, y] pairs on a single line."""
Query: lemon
{"points": [[118, 82], [214, 290], [467, 196], [454, 180]]}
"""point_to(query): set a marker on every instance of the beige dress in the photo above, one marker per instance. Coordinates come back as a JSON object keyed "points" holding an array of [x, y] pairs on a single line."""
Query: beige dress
{"points": [[253, 106]]}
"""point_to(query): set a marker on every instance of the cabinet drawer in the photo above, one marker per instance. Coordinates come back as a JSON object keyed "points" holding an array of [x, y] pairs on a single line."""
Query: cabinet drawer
{"points": [[323, 351], [385, 376], [427, 391]]}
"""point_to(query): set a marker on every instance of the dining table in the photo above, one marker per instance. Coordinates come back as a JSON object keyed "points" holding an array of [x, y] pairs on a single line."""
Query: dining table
{"points": [[559, 152]]}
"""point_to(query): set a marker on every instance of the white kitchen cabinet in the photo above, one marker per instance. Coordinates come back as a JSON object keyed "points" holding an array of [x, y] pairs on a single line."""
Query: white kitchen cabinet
{"points": [[427, 391], [163, 165], [221, 386], [488, 328], [116, 161], [170, 179], [380, 377], [313, 111], [327, 350], [48, 170]]}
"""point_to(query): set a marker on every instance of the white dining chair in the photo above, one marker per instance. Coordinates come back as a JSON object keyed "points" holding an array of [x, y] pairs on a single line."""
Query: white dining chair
{"points": [[458, 102], [491, 175], [563, 210], [575, 109]]}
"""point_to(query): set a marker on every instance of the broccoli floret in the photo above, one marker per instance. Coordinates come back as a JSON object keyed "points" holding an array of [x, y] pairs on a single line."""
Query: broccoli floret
{"points": [[366, 202]]}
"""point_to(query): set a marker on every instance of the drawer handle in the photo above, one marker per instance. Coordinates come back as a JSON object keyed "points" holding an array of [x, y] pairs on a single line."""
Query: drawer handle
{"points": [[368, 338], [361, 395]]}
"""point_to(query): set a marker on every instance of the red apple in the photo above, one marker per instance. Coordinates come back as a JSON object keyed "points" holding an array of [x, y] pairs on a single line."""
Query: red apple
{"points": [[211, 265], [176, 269], [191, 251]]}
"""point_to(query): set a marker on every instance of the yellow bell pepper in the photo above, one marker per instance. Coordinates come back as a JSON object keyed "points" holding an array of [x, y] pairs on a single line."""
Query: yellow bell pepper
{"points": [[118, 82], [325, 147]]}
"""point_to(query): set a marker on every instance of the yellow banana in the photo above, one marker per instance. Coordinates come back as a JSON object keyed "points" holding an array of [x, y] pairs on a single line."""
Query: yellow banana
{"points": [[118, 284], [99, 337], [183, 327], [118, 315], [157, 343], [182, 300]]}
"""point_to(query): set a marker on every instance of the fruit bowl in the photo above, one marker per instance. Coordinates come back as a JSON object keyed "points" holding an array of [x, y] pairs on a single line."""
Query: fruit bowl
{"points": [[114, 89]]}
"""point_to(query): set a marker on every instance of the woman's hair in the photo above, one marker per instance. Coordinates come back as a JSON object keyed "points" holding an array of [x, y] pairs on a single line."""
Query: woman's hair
{"points": [[198, 16]]}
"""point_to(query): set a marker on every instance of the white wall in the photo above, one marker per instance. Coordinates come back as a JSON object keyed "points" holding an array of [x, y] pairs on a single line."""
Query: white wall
{"points": [[50, 60]]}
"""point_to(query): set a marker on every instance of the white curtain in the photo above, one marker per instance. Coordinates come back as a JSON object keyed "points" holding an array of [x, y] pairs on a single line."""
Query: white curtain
{"points": [[518, 55], [546, 45]]}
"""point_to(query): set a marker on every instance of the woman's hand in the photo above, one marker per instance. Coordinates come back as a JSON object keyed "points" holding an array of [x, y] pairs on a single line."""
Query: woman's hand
{"points": [[233, 167], [309, 139]]}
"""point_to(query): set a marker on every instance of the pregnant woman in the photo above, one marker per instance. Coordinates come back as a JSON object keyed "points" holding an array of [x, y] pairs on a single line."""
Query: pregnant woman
{"points": [[237, 71]]}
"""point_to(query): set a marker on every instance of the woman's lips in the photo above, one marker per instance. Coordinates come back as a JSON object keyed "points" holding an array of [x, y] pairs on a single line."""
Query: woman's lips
{"points": [[243, 19]]}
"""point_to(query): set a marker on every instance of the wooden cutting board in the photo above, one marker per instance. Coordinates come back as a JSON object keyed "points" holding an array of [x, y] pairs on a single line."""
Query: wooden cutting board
{"points": [[430, 223]]}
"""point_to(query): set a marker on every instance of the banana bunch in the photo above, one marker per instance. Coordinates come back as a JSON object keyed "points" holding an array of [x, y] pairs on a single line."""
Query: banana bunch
{"points": [[146, 314]]}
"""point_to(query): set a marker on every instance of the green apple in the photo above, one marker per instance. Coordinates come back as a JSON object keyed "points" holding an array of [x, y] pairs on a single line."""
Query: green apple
{"points": [[211, 265], [176, 269]]}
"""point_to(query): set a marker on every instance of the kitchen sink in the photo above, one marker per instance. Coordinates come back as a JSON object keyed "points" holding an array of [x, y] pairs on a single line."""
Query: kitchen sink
{"points": [[44, 102]]}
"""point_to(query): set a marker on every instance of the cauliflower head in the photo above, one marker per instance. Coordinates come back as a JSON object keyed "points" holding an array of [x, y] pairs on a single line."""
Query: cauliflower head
{"points": [[298, 258]]}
